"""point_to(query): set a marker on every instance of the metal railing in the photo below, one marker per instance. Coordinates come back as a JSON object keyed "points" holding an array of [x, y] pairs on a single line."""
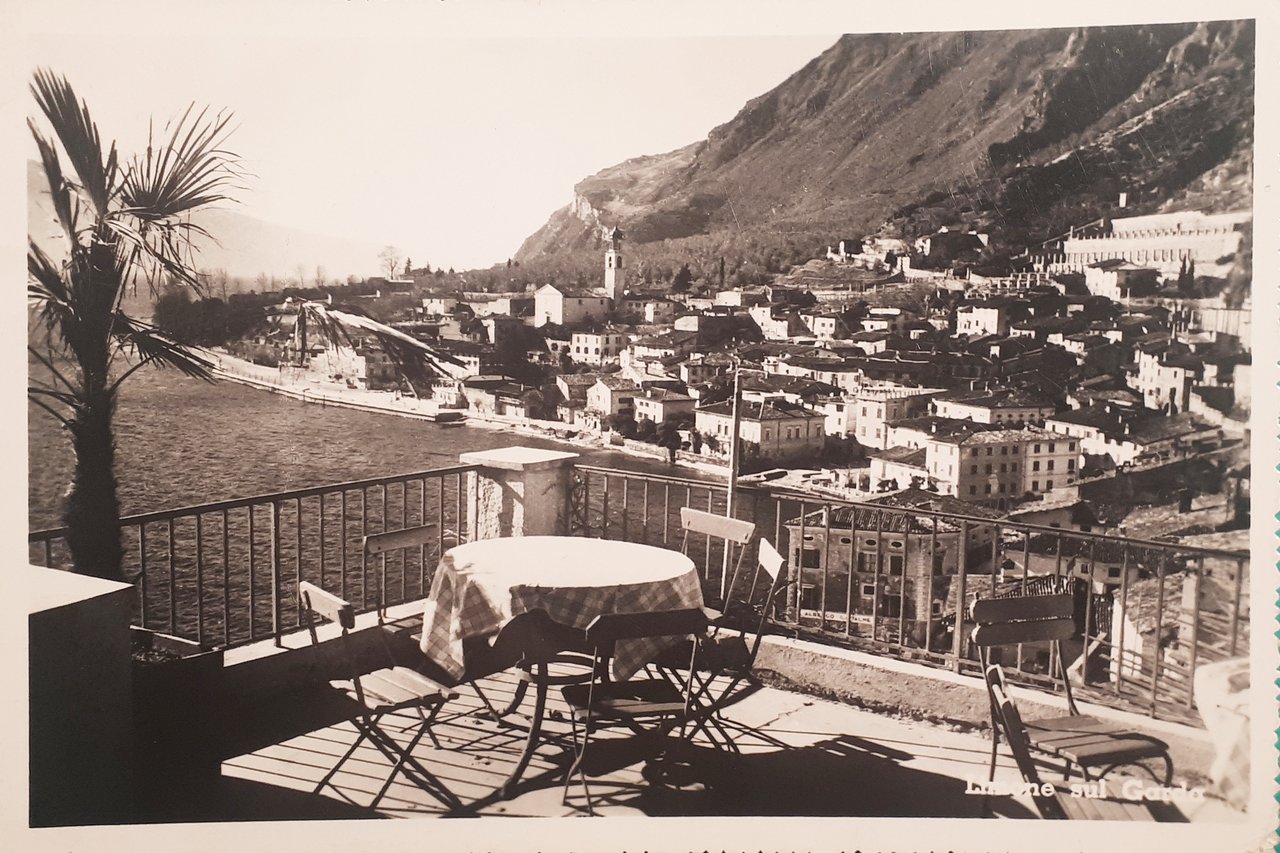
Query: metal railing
{"points": [[892, 580], [226, 573]]}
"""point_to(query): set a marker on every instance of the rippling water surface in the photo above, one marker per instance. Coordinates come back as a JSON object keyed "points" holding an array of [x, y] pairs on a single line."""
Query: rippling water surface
{"points": [[180, 441]]}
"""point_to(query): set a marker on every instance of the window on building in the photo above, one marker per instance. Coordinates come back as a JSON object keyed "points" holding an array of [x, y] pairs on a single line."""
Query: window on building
{"points": [[1013, 466], [1048, 485], [1035, 485], [988, 469], [975, 452], [987, 489], [1003, 468], [1035, 466], [867, 590], [1071, 445], [973, 490], [1036, 449], [1004, 451], [973, 469], [810, 558], [1071, 464], [1002, 488], [990, 450], [895, 564], [1049, 467]]}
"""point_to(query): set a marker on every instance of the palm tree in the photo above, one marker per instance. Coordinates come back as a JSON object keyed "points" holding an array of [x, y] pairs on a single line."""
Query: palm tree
{"points": [[122, 223]]}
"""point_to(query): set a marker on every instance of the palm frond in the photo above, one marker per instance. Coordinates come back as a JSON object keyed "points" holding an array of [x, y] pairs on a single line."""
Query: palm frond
{"points": [[58, 416], [152, 346], [414, 359], [51, 367], [65, 202], [75, 129], [47, 277], [189, 171]]}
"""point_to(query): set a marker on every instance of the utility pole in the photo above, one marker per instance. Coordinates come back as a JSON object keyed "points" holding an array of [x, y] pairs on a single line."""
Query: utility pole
{"points": [[734, 445]]}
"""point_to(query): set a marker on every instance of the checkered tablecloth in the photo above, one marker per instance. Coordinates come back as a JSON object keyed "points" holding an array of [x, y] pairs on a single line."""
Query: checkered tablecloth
{"points": [[480, 586]]}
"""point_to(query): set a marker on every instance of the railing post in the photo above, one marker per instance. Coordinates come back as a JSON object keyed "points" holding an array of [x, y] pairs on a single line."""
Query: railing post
{"points": [[520, 491], [276, 627], [963, 557], [1155, 642]]}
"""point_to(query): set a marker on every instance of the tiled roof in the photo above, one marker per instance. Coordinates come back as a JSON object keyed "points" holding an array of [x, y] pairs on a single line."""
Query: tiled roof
{"points": [[913, 456], [617, 383], [768, 410]]}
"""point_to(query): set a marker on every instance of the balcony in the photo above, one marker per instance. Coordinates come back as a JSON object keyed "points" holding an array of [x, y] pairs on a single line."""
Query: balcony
{"points": [[881, 689]]}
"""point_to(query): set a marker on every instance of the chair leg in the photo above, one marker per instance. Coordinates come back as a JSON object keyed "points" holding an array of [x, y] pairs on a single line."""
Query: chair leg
{"points": [[427, 780], [580, 751], [401, 755], [364, 733]]}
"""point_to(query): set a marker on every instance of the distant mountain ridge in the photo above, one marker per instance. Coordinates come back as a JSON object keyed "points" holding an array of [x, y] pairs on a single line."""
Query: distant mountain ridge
{"points": [[1041, 125], [245, 245]]}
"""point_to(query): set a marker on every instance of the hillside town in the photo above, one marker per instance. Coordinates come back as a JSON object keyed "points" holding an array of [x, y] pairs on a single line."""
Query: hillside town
{"points": [[1113, 369]]}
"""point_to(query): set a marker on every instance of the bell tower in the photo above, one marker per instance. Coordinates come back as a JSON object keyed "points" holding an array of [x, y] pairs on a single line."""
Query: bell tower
{"points": [[615, 276]]}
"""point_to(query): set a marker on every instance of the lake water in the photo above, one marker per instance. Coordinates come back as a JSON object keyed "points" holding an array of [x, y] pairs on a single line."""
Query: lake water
{"points": [[180, 442]]}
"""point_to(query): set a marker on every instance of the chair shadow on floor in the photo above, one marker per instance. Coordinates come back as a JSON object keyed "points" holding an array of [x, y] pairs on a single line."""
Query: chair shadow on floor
{"points": [[844, 776]]}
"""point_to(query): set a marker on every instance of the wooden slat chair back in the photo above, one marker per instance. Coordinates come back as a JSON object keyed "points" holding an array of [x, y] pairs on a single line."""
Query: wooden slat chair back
{"points": [[631, 702], [380, 544], [1025, 619], [1052, 801], [1079, 740], [378, 692], [734, 532], [725, 674]]}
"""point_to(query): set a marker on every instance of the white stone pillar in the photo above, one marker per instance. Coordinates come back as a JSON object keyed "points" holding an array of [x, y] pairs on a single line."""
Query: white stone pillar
{"points": [[80, 700], [519, 491]]}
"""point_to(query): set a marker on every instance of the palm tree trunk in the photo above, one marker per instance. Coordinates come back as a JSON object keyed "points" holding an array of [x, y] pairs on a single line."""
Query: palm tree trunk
{"points": [[93, 507]]}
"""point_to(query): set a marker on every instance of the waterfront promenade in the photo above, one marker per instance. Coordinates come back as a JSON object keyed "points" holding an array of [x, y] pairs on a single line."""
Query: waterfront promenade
{"points": [[315, 389]]}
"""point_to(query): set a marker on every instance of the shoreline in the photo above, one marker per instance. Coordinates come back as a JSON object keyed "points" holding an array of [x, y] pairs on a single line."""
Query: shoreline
{"points": [[232, 369]]}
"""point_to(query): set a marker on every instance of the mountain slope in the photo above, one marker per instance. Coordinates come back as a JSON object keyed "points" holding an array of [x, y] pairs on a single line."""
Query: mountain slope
{"points": [[882, 121], [244, 246]]}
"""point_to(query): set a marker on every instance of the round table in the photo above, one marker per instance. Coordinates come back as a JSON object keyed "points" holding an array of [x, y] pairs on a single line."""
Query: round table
{"points": [[480, 586]]}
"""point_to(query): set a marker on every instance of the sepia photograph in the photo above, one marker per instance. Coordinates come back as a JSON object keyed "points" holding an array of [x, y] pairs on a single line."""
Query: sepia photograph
{"points": [[761, 427]]}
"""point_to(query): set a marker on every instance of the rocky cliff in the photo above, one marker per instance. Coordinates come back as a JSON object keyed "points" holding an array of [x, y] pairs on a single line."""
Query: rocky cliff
{"points": [[1042, 125]]}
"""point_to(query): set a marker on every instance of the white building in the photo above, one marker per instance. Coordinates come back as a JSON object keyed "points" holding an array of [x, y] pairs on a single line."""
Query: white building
{"points": [[874, 407], [562, 307], [598, 348]]}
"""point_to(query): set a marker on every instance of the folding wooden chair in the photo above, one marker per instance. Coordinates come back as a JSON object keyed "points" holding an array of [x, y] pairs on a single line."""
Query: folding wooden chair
{"points": [[1079, 740], [380, 692], [631, 702], [379, 544], [1064, 804], [725, 675], [733, 531]]}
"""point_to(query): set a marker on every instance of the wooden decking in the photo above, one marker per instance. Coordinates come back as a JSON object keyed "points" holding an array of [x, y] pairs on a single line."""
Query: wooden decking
{"points": [[800, 756]]}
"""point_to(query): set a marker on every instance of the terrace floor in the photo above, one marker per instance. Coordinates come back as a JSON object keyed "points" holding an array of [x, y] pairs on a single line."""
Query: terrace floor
{"points": [[801, 756]]}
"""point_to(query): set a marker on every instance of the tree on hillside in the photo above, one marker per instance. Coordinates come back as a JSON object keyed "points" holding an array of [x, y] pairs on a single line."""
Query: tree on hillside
{"points": [[389, 260], [408, 265], [319, 278], [123, 223], [683, 279]]}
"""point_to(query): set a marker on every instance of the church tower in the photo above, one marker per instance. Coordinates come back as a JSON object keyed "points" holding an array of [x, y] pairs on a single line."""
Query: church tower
{"points": [[615, 277]]}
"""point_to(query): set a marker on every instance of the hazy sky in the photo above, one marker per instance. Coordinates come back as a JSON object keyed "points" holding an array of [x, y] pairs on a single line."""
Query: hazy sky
{"points": [[454, 149]]}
